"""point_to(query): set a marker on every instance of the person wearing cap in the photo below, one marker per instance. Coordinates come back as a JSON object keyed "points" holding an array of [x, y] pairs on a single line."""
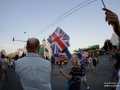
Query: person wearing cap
{"points": [[83, 71]]}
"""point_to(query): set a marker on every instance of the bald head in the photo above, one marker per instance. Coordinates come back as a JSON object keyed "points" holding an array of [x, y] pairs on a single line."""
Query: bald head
{"points": [[33, 45]]}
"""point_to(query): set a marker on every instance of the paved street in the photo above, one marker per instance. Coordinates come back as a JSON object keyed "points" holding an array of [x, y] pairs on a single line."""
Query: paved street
{"points": [[58, 82]]}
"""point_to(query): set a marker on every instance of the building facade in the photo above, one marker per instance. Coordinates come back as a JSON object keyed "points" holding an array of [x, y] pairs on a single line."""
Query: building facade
{"points": [[47, 49], [115, 39]]}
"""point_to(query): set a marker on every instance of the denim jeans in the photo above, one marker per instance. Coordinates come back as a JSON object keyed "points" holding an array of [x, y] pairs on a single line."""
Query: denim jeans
{"points": [[75, 86]]}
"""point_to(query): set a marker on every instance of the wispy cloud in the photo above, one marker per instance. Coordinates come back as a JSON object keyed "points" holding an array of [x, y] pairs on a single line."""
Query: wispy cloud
{"points": [[8, 45], [9, 48]]}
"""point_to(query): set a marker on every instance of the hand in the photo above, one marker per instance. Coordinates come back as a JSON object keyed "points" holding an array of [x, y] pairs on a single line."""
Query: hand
{"points": [[61, 71], [112, 19]]}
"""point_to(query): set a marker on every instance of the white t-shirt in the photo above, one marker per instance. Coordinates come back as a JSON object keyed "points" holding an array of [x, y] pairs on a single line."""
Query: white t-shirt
{"points": [[11, 62], [89, 59], [3, 62]]}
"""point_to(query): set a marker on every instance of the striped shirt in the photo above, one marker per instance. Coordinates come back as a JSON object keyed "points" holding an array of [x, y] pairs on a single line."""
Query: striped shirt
{"points": [[33, 72], [76, 73]]}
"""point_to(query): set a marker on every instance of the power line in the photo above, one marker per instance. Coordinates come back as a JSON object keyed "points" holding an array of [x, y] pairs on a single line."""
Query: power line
{"points": [[66, 16], [61, 16], [9, 34]]}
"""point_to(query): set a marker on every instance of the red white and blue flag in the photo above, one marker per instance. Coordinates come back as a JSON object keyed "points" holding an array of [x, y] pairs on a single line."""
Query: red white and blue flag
{"points": [[59, 40], [60, 57]]}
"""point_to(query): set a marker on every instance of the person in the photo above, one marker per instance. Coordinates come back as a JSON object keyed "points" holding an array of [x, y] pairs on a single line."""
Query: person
{"points": [[83, 70], [8, 62], [60, 64], [113, 20], [74, 74], [118, 85], [89, 63], [12, 63], [116, 64], [32, 70], [110, 56], [4, 67], [95, 64]]}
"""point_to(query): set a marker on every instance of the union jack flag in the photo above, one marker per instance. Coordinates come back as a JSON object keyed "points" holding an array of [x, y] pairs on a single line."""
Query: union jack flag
{"points": [[59, 40]]}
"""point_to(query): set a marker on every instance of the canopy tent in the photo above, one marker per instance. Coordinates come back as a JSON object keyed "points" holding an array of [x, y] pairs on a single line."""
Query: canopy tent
{"points": [[94, 47], [89, 48]]}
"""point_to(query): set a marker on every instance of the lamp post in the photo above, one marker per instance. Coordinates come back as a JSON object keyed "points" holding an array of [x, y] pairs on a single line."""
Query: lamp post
{"points": [[26, 34]]}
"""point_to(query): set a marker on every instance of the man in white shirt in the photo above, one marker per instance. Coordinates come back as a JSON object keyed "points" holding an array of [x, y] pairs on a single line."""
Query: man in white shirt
{"points": [[32, 70], [4, 67], [89, 63]]}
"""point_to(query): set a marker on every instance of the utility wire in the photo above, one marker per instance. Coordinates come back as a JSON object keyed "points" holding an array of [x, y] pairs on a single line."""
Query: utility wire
{"points": [[9, 34], [66, 16], [61, 16]]}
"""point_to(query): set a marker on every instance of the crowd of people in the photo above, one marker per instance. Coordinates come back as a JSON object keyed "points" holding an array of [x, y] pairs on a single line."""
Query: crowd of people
{"points": [[36, 76], [6, 63]]}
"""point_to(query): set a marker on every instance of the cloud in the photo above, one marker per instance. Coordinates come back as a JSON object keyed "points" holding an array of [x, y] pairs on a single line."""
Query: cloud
{"points": [[8, 45], [9, 48]]}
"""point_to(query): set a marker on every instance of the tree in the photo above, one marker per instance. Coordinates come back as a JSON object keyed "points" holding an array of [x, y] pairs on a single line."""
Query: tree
{"points": [[16, 57], [23, 54], [107, 45]]}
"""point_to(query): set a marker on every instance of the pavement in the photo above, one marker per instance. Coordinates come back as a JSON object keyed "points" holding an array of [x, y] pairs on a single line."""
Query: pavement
{"points": [[58, 81]]}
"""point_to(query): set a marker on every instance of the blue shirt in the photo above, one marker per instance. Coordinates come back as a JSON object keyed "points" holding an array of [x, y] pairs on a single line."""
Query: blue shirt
{"points": [[34, 72], [83, 69]]}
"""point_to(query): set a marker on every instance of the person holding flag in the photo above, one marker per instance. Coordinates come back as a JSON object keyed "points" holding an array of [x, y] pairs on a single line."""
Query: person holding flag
{"points": [[83, 70], [74, 77]]}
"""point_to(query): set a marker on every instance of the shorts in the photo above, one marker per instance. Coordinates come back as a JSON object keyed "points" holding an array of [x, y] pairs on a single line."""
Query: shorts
{"points": [[83, 78]]}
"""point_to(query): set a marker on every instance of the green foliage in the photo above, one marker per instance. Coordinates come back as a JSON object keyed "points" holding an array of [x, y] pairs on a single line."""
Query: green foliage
{"points": [[16, 57], [23, 54], [107, 45]]}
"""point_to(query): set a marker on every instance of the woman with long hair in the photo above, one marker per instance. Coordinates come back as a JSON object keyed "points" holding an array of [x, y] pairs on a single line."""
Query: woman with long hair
{"points": [[74, 77], [4, 67]]}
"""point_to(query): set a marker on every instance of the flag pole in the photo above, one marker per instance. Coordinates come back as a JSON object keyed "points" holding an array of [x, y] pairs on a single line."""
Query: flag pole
{"points": [[103, 3]]}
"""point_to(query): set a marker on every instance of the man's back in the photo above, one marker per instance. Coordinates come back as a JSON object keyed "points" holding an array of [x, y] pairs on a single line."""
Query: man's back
{"points": [[3, 62], [34, 72]]}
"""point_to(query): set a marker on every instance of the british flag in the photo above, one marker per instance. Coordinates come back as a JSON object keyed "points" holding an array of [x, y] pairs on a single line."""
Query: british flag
{"points": [[59, 40]]}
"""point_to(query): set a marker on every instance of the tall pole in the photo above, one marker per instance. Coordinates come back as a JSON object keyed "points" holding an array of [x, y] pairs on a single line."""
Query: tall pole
{"points": [[107, 42], [26, 34]]}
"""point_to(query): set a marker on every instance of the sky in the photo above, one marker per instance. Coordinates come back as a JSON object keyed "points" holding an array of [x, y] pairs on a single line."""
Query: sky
{"points": [[85, 27]]}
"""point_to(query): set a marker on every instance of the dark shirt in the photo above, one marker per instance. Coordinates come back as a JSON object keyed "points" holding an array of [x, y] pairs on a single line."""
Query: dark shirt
{"points": [[75, 72], [117, 57], [94, 62], [83, 69]]}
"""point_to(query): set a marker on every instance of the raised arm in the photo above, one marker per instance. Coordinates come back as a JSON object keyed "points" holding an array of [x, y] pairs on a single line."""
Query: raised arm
{"points": [[112, 20]]}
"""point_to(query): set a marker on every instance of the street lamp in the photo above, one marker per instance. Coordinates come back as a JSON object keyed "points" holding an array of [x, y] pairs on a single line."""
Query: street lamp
{"points": [[26, 34]]}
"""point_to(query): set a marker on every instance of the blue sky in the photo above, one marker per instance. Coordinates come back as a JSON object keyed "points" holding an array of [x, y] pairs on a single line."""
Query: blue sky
{"points": [[85, 27]]}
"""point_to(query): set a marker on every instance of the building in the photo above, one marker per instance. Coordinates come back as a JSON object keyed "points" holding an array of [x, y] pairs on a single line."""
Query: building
{"points": [[115, 39], [47, 49], [3, 52]]}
